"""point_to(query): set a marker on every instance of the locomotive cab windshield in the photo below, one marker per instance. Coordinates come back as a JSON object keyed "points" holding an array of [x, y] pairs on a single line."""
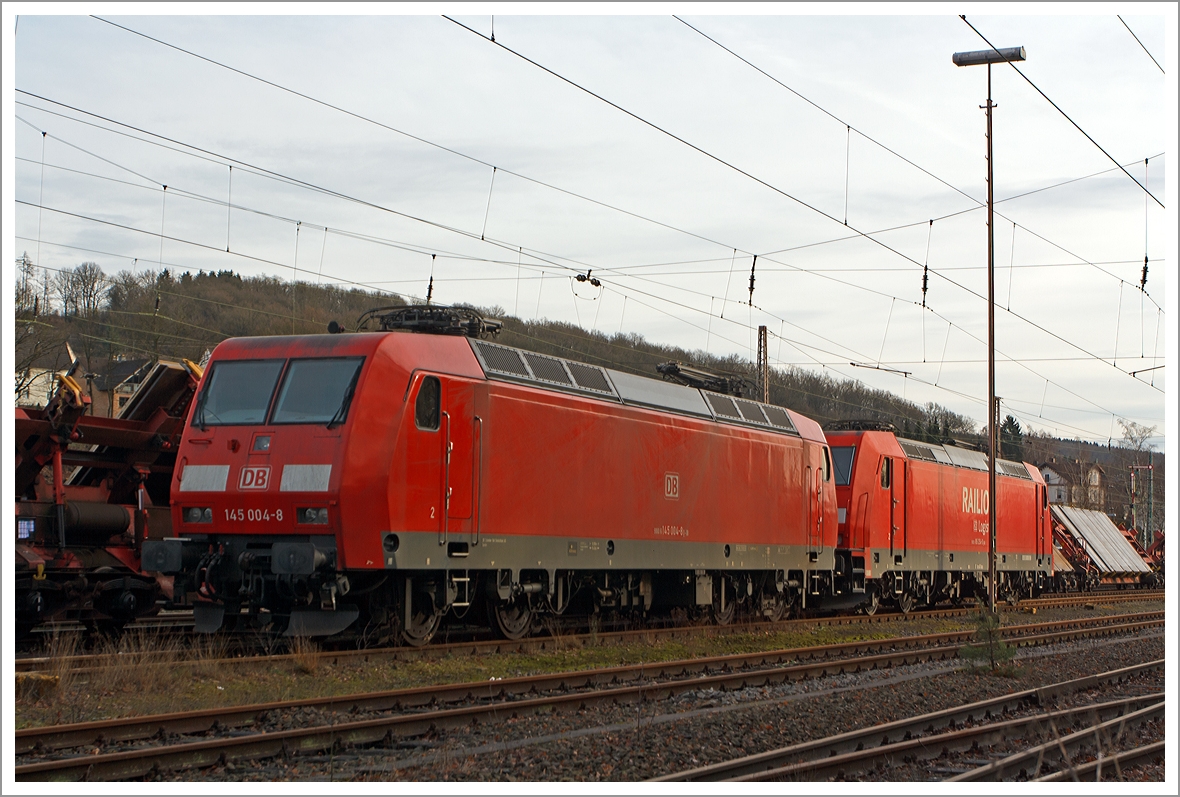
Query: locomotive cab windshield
{"points": [[313, 391], [842, 459]]}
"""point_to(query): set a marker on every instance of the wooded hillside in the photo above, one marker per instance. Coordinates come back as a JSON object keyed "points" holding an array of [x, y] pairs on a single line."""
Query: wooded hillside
{"points": [[159, 314]]}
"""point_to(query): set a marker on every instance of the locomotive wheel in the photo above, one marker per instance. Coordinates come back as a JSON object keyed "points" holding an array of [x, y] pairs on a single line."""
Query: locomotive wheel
{"points": [[906, 602], [512, 619], [421, 629], [421, 621], [724, 602], [874, 603]]}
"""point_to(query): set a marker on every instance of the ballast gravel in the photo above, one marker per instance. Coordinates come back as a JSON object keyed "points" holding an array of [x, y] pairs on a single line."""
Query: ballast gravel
{"points": [[641, 741]]}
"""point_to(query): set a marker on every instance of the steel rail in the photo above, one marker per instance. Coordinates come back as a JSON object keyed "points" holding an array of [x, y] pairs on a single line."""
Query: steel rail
{"points": [[818, 751], [138, 762], [199, 721], [1103, 733], [1136, 756], [932, 746], [1085, 598]]}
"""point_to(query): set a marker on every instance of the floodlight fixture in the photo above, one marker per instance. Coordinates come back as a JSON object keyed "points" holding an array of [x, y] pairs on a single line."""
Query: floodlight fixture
{"points": [[993, 56]]}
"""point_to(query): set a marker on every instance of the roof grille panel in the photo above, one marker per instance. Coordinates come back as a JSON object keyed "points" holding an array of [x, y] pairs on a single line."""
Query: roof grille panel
{"points": [[554, 373], [589, 377], [722, 405], [1012, 469], [517, 365], [501, 358], [778, 417], [548, 369], [750, 411], [916, 451]]}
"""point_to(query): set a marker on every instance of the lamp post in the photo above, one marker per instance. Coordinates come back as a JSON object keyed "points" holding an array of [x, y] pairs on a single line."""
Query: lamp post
{"points": [[974, 58]]}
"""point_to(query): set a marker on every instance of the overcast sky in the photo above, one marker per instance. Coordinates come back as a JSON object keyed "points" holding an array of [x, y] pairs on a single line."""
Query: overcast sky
{"points": [[395, 183]]}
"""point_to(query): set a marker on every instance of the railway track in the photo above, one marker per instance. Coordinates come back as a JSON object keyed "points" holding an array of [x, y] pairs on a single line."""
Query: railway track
{"points": [[87, 663], [966, 728], [1084, 598], [415, 710]]}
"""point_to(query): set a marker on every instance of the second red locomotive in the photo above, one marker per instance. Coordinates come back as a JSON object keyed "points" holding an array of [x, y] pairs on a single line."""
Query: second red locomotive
{"points": [[913, 520]]}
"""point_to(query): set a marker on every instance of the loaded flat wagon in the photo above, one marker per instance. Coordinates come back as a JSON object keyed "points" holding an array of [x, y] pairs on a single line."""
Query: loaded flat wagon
{"points": [[1098, 547]]}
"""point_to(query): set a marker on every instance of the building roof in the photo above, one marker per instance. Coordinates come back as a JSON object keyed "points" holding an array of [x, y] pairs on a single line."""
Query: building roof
{"points": [[120, 371]]}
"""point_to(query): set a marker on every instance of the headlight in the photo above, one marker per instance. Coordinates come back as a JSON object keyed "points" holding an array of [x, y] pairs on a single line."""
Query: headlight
{"points": [[198, 514], [311, 514]]}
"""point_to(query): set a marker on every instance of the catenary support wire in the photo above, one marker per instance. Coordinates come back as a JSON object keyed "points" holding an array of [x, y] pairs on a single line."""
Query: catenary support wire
{"points": [[229, 205], [488, 209]]}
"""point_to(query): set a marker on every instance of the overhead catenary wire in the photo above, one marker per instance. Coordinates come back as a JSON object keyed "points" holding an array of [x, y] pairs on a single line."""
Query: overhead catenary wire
{"points": [[1141, 44], [197, 244], [848, 127], [279, 315], [188, 297], [550, 186], [758, 180], [1063, 113], [542, 276], [398, 131], [282, 177], [624, 311]]}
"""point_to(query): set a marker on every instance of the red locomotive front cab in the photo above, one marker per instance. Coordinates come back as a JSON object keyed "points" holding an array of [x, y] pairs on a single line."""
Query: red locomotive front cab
{"points": [[279, 431], [914, 520]]}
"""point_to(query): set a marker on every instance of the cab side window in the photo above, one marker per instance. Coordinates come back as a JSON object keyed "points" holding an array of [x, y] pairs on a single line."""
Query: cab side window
{"points": [[426, 407], [886, 471], [827, 465]]}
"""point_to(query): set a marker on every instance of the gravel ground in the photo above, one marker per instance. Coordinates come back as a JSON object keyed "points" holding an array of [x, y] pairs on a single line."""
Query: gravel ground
{"points": [[631, 743]]}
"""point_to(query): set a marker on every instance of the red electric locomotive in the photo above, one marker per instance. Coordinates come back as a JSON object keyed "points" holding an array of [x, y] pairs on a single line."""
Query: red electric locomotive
{"points": [[399, 478], [913, 520]]}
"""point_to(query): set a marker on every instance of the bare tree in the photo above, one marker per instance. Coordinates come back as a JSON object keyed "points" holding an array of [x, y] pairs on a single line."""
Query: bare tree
{"points": [[39, 345], [27, 288], [83, 291], [1135, 442], [1136, 435], [38, 340]]}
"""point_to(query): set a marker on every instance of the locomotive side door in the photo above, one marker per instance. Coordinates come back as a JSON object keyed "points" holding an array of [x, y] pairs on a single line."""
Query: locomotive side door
{"points": [[818, 472], [424, 461], [893, 483], [813, 504], [440, 461], [1042, 505], [460, 434]]}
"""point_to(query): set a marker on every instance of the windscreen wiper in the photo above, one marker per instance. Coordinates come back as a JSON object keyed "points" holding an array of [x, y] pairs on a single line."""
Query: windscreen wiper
{"points": [[338, 417], [199, 412]]}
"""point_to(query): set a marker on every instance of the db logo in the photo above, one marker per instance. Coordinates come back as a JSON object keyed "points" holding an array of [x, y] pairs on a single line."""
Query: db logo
{"points": [[672, 486], [254, 478]]}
